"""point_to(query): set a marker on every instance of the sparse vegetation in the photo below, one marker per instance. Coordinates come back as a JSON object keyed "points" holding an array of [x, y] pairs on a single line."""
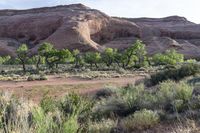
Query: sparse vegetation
{"points": [[171, 92], [129, 108]]}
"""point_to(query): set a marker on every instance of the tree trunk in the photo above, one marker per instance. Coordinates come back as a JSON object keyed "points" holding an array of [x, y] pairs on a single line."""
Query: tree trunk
{"points": [[24, 68], [38, 63], [91, 65], [76, 64], [96, 65]]}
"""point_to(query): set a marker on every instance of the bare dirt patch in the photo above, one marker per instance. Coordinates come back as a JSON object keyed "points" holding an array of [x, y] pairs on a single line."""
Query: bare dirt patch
{"points": [[58, 87]]}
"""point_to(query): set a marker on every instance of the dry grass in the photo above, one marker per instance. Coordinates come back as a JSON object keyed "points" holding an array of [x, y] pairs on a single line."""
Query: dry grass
{"points": [[190, 126]]}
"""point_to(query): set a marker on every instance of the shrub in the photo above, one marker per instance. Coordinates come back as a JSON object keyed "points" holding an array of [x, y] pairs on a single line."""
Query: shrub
{"points": [[194, 80], [103, 93], [188, 126], [120, 70], [103, 126], [140, 120], [171, 90], [36, 77], [14, 115], [173, 96], [132, 95], [188, 70], [195, 102], [136, 97], [175, 74], [76, 107], [75, 104], [31, 78], [109, 108], [43, 77], [191, 61]]}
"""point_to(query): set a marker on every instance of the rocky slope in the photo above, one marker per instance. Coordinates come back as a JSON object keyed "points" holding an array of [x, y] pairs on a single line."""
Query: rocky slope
{"points": [[79, 27]]}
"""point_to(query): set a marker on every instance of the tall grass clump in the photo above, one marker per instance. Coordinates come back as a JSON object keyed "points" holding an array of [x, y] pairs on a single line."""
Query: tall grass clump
{"points": [[44, 123], [15, 114]]}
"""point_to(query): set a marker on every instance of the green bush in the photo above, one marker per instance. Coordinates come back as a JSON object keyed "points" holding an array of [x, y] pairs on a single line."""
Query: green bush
{"points": [[175, 73], [141, 120], [103, 126], [170, 90], [75, 104], [132, 95], [136, 97], [174, 96]]}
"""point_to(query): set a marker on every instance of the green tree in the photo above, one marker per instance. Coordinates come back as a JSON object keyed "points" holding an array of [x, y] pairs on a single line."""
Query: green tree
{"points": [[125, 59], [53, 57], [4, 59], [108, 56], [140, 53], [93, 58], [78, 59], [36, 60], [134, 56], [62, 56], [170, 57], [22, 54], [43, 51], [174, 56]]}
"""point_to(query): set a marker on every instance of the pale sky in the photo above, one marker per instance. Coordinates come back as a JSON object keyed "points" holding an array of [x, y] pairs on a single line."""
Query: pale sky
{"points": [[121, 8]]}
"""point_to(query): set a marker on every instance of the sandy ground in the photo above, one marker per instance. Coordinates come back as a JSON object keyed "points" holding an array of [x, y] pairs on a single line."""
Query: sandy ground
{"points": [[58, 87]]}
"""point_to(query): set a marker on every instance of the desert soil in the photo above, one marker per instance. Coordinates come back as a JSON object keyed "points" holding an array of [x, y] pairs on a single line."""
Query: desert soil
{"points": [[58, 87]]}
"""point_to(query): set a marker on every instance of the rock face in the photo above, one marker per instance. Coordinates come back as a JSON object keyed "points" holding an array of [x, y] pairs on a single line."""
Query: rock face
{"points": [[160, 34], [79, 27], [73, 26]]}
